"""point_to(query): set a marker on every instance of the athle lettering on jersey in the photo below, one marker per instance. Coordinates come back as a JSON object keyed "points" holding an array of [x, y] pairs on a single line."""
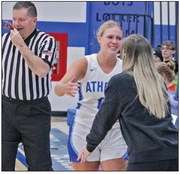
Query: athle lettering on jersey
{"points": [[96, 86]]}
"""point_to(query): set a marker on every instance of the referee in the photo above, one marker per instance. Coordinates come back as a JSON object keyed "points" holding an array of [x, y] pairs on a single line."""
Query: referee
{"points": [[27, 57]]}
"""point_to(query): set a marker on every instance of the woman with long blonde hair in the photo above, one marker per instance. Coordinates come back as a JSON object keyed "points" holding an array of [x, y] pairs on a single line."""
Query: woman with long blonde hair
{"points": [[137, 98]]}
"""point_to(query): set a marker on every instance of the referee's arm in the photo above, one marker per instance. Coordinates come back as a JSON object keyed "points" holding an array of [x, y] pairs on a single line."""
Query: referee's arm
{"points": [[35, 63]]}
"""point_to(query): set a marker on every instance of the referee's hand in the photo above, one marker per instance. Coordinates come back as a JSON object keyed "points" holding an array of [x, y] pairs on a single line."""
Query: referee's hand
{"points": [[16, 38]]}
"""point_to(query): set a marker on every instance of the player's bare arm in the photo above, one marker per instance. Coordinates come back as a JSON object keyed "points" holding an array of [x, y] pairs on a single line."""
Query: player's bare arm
{"points": [[68, 84]]}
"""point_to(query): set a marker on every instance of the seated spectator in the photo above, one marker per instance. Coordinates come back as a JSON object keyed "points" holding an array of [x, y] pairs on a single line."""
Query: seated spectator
{"points": [[168, 50], [157, 54], [166, 70]]}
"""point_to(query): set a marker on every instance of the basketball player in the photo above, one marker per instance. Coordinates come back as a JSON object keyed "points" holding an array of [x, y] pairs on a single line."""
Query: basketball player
{"points": [[89, 76]]}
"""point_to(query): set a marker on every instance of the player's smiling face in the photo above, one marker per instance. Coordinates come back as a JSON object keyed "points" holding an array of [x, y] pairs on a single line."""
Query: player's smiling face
{"points": [[110, 40], [24, 23]]}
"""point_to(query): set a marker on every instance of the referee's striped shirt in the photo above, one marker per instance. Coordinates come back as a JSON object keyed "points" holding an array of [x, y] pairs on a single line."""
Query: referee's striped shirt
{"points": [[18, 81]]}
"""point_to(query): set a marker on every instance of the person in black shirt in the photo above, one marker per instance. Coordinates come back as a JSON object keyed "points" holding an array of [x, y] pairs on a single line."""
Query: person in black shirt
{"points": [[168, 50], [27, 57], [138, 98], [157, 54]]}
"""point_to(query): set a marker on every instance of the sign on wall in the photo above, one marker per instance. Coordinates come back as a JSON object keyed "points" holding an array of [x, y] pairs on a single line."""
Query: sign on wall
{"points": [[59, 66], [132, 16]]}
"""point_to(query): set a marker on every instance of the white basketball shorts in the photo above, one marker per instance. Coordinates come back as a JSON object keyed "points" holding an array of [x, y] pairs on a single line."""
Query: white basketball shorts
{"points": [[112, 146]]}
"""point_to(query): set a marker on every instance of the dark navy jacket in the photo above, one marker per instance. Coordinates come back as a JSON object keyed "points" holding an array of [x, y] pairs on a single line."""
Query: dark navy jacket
{"points": [[148, 138]]}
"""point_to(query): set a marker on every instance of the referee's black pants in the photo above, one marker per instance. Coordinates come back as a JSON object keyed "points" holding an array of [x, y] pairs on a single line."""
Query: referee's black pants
{"points": [[27, 122]]}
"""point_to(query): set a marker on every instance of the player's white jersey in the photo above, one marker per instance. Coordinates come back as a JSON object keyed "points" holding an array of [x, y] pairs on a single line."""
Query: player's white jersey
{"points": [[92, 88]]}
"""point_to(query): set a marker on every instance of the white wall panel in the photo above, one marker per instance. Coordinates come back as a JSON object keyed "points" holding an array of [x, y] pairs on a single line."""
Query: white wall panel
{"points": [[52, 11], [164, 13], [65, 102]]}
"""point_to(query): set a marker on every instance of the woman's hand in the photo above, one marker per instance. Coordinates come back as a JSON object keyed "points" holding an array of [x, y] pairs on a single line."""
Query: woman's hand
{"points": [[71, 88], [83, 154]]}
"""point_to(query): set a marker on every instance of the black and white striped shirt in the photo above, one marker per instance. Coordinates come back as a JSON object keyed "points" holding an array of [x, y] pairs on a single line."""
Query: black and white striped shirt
{"points": [[18, 81]]}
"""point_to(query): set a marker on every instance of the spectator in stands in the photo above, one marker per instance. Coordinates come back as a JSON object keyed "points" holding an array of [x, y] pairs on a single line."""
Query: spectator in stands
{"points": [[167, 72], [157, 54], [137, 97], [92, 73], [168, 50]]}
